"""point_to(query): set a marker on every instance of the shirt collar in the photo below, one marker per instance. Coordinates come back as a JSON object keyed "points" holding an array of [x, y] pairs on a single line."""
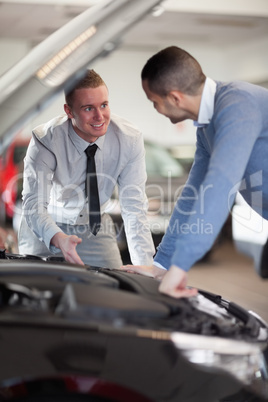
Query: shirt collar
{"points": [[207, 103]]}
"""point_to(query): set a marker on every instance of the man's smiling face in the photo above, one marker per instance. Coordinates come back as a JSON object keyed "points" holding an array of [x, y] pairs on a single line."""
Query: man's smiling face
{"points": [[90, 112]]}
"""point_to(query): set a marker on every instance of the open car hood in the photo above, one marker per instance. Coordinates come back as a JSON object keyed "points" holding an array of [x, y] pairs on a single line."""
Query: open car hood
{"points": [[60, 61]]}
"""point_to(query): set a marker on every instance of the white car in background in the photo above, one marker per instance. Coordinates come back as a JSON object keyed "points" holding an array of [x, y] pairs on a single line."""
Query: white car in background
{"points": [[250, 235]]}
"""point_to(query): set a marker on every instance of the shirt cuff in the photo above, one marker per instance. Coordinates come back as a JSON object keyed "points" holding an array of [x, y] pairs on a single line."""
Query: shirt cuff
{"points": [[156, 264]]}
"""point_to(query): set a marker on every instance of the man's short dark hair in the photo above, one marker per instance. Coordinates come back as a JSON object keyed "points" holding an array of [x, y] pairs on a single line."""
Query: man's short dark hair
{"points": [[173, 69]]}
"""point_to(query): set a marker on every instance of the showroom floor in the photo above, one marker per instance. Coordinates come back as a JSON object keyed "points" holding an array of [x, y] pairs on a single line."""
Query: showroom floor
{"points": [[232, 275]]}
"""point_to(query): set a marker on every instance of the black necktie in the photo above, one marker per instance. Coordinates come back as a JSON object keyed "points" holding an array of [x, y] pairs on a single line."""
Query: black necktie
{"points": [[92, 190]]}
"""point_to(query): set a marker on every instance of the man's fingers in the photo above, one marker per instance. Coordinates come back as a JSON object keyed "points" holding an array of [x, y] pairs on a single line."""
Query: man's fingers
{"points": [[131, 268], [179, 293], [72, 255], [75, 239], [174, 284], [126, 268], [137, 270], [74, 259]]}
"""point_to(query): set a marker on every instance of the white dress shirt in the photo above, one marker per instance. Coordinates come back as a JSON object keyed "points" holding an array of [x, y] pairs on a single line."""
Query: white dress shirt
{"points": [[54, 181], [207, 103]]}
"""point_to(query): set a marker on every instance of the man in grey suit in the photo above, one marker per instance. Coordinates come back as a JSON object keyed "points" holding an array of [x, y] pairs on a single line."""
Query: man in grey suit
{"points": [[231, 150], [57, 200]]}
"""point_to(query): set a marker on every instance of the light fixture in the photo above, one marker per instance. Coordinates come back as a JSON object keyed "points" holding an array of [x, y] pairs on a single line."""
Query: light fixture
{"points": [[61, 56]]}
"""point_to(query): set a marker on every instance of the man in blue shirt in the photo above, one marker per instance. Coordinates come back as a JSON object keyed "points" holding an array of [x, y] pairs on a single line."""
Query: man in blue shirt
{"points": [[231, 147]]}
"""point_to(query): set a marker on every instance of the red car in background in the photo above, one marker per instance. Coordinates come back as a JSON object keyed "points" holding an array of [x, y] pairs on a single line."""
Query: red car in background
{"points": [[11, 168]]}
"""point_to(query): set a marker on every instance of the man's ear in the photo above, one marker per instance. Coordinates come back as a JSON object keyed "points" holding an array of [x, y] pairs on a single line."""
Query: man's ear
{"points": [[176, 97], [68, 111]]}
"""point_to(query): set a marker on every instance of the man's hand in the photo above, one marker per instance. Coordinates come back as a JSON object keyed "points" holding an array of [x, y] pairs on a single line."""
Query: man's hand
{"points": [[67, 245], [174, 283], [151, 271]]}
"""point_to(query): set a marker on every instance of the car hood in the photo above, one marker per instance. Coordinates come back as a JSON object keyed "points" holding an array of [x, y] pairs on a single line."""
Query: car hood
{"points": [[126, 329]]}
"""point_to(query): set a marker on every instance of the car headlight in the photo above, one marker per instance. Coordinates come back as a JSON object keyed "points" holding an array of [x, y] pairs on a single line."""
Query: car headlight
{"points": [[244, 361]]}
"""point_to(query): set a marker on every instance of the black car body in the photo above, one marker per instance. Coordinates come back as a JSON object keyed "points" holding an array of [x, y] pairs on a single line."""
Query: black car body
{"points": [[88, 334], [68, 332]]}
